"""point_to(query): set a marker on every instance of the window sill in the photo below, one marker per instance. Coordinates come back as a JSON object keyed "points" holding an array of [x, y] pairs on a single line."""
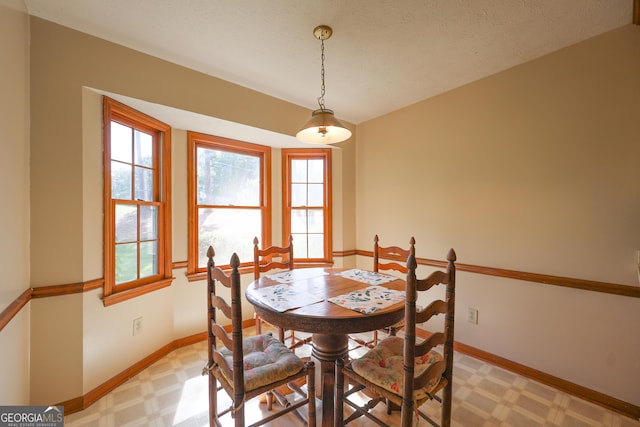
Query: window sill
{"points": [[121, 296]]}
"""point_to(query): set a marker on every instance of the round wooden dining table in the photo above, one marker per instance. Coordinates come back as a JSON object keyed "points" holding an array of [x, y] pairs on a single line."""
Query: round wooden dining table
{"points": [[329, 323]]}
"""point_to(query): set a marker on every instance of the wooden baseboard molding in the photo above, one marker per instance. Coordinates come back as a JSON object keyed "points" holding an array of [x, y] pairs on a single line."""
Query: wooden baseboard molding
{"points": [[80, 403], [601, 399], [611, 403], [625, 408], [74, 405]]}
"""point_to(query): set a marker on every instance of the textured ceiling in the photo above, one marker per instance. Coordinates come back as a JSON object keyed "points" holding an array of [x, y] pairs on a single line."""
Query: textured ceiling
{"points": [[383, 55]]}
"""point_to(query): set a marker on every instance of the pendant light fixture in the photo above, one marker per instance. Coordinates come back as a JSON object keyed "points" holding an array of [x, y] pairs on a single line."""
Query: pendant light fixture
{"points": [[323, 127]]}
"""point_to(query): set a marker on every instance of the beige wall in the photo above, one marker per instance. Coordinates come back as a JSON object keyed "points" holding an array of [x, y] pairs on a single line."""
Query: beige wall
{"points": [[95, 342], [532, 169], [56, 349], [14, 193]]}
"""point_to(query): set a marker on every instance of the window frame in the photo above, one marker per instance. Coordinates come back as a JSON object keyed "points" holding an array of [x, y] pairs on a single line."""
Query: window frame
{"points": [[196, 140], [289, 154], [161, 133]]}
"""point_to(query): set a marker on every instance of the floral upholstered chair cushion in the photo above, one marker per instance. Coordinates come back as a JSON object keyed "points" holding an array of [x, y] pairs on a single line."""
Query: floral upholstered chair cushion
{"points": [[266, 360], [384, 366]]}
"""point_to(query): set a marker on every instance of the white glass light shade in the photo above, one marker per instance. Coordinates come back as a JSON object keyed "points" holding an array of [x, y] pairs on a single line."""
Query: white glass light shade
{"points": [[323, 128]]}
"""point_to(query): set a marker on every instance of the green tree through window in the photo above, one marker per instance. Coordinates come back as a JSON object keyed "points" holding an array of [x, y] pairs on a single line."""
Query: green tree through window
{"points": [[137, 155], [229, 198]]}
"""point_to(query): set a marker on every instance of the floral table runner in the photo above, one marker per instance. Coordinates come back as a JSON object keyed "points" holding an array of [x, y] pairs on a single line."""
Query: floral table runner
{"points": [[369, 300], [368, 277]]}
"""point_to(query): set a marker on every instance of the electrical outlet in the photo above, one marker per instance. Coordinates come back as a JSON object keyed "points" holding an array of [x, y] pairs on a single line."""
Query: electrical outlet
{"points": [[137, 326], [472, 315]]}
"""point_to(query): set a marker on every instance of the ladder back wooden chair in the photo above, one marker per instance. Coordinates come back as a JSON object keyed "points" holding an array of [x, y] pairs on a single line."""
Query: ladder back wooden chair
{"points": [[268, 259], [402, 370], [248, 367], [393, 253]]}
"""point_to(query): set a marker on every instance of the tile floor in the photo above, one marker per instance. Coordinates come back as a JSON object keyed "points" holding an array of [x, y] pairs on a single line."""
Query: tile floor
{"points": [[172, 392]]}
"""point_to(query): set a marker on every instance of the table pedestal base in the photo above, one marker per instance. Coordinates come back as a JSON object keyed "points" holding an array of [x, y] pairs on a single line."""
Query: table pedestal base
{"points": [[327, 348]]}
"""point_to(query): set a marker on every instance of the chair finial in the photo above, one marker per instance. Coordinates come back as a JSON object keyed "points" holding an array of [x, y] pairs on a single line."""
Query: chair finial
{"points": [[451, 256], [255, 241], [235, 261], [210, 252], [375, 239]]}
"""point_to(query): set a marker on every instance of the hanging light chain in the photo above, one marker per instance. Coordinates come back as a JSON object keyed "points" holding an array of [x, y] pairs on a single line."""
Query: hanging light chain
{"points": [[322, 90], [323, 127]]}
